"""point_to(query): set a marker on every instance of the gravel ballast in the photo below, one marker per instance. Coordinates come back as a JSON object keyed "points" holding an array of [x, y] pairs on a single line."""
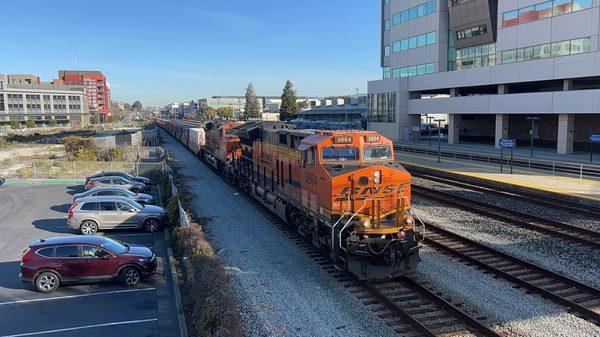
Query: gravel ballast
{"points": [[506, 309], [279, 289]]}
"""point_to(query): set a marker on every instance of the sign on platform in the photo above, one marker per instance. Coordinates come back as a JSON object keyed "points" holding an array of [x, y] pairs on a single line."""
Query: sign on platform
{"points": [[507, 143], [595, 138]]}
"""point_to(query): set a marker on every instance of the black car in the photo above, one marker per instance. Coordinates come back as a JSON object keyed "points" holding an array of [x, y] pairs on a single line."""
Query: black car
{"points": [[125, 175]]}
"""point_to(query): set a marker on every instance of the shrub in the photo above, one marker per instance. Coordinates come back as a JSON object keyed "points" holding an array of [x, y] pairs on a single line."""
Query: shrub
{"points": [[173, 211], [114, 154], [30, 123], [14, 124], [52, 123], [80, 148], [24, 173], [209, 306]]}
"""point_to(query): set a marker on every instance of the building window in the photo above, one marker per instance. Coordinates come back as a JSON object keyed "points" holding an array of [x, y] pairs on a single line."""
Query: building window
{"points": [[421, 69], [414, 12], [386, 24], [543, 10], [382, 107], [556, 49], [386, 72], [471, 32], [474, 57], [459, 2], [413, 42]]}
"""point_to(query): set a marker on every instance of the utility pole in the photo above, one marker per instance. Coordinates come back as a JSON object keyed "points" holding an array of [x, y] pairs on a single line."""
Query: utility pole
{"points": [[429, 118]]}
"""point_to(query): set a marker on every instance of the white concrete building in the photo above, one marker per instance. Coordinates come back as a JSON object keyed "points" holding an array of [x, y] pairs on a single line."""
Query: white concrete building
{"points": [[42, 102], [490, 65]]}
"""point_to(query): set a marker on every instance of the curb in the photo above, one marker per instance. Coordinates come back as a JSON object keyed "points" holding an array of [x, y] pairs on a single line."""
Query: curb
{"points": [[43, 182], [182, 325], [178, 302]]}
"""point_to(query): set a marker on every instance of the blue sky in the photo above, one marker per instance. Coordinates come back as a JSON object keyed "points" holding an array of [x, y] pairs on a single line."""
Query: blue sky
{"points": [[163, 51]]}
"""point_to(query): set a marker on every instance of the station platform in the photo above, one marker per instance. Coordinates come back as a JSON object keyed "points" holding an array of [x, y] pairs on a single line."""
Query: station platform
{"points": [[585, 187], [539, 153]]}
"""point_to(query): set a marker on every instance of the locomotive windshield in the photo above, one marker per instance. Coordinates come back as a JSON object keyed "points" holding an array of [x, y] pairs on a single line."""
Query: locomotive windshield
{"points": [[339, 154], [377, 153]]}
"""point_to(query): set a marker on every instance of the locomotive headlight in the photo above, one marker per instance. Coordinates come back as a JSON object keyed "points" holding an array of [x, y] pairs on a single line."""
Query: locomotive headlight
{"points": [[409, 221], [377, 177]]}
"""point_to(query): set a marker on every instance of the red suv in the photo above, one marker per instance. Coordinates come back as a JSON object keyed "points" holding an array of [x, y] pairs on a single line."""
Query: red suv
{"points": [[48, 263]]}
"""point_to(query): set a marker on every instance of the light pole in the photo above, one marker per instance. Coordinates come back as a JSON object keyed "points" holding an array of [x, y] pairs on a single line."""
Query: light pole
{"points": [[429, 118], [440, 120], [533, 119]]}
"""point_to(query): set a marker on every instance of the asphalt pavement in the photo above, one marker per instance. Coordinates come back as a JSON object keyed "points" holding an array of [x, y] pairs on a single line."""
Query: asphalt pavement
{"points": [[107, 309]]}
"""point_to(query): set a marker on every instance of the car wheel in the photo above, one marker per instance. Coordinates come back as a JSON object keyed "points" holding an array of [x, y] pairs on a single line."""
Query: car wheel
{"points": [[130, 276], [47, 282], [88, 228], [151, 225]]}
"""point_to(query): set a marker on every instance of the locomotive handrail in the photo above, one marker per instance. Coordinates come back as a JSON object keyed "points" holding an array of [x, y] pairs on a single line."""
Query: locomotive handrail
{"points": [[348, 222]]}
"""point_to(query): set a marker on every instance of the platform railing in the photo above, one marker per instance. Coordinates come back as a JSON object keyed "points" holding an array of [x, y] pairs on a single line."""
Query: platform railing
{"points": [[579, 170]]}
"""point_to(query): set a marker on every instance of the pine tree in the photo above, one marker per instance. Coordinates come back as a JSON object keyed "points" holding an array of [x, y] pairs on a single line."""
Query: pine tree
{"points": [[252, 106], [288, 102]]}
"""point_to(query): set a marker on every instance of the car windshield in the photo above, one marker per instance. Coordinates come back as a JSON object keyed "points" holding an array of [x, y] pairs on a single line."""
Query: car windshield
{"points": [[114, 246], [135, 204], [128, 192], [377, 153], [339, 154]]}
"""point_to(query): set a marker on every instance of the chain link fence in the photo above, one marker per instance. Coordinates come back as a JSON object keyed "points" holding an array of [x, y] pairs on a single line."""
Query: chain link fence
{"points": [[184, 217], [21, 169]]}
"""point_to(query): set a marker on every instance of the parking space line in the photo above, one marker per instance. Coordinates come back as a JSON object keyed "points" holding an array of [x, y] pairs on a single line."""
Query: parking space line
{"points": [[82, 327], [76, 296]]}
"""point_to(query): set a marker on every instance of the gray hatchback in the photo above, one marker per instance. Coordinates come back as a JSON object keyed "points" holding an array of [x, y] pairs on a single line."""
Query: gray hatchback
{"points": [[88, 215]]}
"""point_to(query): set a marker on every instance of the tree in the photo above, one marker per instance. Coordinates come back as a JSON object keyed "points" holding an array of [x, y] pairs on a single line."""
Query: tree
{"points": [[252, 106], [52, 123], [288, 102], [209, 112], [127, 107], [137, 106], [113, 118], [14, 124], [94, 119], [226, 112], [30, 123], [303, 105]]}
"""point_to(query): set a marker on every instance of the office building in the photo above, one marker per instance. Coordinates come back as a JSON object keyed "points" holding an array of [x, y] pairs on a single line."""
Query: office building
{"points": [[97, 89], [42, 102], [498, 69]]}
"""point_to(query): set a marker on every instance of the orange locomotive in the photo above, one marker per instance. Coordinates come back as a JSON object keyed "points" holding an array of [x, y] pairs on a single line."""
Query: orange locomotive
{"points": [[221, 147], [341, 189]]}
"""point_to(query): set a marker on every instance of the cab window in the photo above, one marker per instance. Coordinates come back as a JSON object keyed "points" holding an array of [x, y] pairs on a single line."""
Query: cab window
{"points": [[309, 156], [377, 153], [339, 154], [93, 252]]}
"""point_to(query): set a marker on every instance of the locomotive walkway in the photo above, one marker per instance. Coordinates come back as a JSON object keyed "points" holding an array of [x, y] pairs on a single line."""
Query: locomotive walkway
{"points": [[537, 179]]}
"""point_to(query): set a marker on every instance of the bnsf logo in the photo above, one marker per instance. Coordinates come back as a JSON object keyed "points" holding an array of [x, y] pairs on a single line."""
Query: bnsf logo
{"points": [[372, 190]]}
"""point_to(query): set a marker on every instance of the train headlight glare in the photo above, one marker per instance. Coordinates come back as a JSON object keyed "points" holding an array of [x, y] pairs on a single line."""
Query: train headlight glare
{"points": [[377, 177], [409, 221]]}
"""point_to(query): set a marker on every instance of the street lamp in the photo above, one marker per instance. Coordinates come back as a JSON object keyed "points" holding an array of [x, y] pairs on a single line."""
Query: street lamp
{"points": [[429, 118], [440, 120], [533, 119]]}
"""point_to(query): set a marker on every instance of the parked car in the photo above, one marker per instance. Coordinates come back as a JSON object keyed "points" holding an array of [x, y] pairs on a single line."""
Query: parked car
{"points": [[133, 186], [125, 175], [141, 198], [2, 181], [50, 263], [88, 215]]}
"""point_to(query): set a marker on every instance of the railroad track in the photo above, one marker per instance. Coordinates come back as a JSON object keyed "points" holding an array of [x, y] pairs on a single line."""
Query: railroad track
{"points": [[519, 194], [558, 229], [414, 310], [405, 304], [580, 299]]}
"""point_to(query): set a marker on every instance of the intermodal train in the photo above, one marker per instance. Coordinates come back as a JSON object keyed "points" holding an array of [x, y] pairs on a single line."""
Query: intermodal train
{"points": [[342, 190]]}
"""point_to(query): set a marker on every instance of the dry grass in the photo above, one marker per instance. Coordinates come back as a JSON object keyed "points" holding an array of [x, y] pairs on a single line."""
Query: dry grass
{"points": [[209, 306]]}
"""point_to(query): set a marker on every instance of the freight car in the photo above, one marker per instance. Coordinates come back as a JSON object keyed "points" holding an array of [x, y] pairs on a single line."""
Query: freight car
{"points": [[342, 190]]}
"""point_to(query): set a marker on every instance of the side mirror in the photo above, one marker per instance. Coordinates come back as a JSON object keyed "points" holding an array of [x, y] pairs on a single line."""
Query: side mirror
{"points": [[132, 210], [106, 257]]}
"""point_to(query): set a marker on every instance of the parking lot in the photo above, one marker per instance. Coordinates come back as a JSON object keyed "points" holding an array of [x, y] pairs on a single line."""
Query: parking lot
{"points": [[33, 212]]}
